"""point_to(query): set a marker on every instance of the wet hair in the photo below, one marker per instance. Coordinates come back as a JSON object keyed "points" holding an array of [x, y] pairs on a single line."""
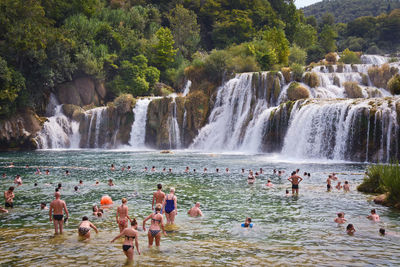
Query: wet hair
{"points": [[35, 184], [133, 222], [248, 219], [80, 181], [346, 182], [76, 188], [112, 165], [382, 231], [293, 173], [99, 214], [85, 218], [340, 215], [93, 208], [308, 174], [124, 200], [172, 189], [194, 170], [59, 185], [373, 211], [269, 181], [44, 204], [57, 189], [153, 167], [159, 186], [349, 226], [217, 170], [287, 191], [158, 207], [305, 174]]}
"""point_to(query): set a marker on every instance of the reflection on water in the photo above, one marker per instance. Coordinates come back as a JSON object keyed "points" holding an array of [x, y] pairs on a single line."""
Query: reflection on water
{"points": [[288, 230]]}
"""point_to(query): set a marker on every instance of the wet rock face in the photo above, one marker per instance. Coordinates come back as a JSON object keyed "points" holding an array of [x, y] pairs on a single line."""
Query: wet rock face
{"points": [[17, 133], [81, 92], [157, 130]]}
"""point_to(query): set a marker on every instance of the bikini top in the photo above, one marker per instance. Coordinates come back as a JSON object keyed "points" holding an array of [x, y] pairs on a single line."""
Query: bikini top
{"points": [[127, 237], [155, 220]]}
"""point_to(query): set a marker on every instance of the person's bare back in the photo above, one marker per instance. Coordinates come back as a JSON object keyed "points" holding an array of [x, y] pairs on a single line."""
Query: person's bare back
{"points": [[56, 212], [158, 197], [58, 206], [195, 211]]}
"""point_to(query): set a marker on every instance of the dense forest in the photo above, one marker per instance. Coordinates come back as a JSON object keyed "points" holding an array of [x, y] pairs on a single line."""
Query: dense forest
{"points": [[131, 45], [348, 10]]}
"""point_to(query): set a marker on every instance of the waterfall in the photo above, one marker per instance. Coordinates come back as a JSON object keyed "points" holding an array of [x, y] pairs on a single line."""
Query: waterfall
{"points": [[186, 90], [58, 131], [374, 59], [95, 117], [174, 136], [138, 131]]}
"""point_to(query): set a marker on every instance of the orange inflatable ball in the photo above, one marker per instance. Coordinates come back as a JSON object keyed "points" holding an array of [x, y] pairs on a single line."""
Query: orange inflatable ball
{"points": [[106, 200]]}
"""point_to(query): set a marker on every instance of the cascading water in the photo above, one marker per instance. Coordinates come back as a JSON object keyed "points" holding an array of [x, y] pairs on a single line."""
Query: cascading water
{"points": [[186, 90], [58, 131], [95, 118], [138, 131], [174, 136]]}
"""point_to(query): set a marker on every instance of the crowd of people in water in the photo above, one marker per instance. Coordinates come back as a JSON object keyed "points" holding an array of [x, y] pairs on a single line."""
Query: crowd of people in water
{"points": [[162, 204]]}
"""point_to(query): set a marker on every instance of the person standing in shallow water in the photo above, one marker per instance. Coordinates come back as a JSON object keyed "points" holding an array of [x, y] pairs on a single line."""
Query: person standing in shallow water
{"points": [[295, 180], [56, 213], [170, 206], [9, 197], [157, 221], [158, 196], [130, 235], [122, 215]]}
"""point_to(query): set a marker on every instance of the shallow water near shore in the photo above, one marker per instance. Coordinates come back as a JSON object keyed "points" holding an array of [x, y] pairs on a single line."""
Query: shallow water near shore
{"points": [[288, 230]]}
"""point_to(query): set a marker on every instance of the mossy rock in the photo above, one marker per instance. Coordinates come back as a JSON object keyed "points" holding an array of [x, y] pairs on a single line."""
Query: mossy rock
{"points": [[373, 92], [277, 87], [161, 89], [340, 68], [380, 76], [336, 81], [286, 72], [394, 85], [296, 92], [124, 103], [311, 79], [364, 79], [330, 68], [353, 90], [73, 112]]}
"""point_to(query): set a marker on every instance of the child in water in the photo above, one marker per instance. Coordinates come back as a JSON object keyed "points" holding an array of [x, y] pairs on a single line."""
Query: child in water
{"points": [[340, 218], [247, 223], [350, 229]]}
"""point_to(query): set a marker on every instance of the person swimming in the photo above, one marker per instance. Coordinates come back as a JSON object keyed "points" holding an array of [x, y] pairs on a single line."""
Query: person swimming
{"points": [[153, 169], [205, 170], [187, 169], [95, 210], [84, 228], [195, 210], [157, 222], [247, 223], [170, 206], [350, 230], [269, 184], [346, 186], [112, 167], [339, 186], [110, 182], [43, 206], [130, 234], [374, 217], [250, 178], [340, 218]]}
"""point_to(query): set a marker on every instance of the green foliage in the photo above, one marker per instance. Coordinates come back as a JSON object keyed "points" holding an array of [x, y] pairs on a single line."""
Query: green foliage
{"points": [[327, 38], [305, 36], [297, 71], [315, 53], [394, 85], [278, 41], [349, 57], [164, 51], [297, 55]]}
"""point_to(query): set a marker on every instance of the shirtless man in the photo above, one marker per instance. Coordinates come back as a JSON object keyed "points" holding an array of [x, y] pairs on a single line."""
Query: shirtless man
{"points": [[339, 186], [346, 186], [84, 228], [122, 215], [18, 180], [295, 180], [328, 183], [9, 197], [340, 218], [195, 210], [56, 213], [373, 217], [158, 196]]}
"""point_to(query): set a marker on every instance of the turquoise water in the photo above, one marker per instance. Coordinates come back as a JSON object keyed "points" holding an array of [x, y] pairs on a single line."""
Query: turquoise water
{"points": [[288, 230]]}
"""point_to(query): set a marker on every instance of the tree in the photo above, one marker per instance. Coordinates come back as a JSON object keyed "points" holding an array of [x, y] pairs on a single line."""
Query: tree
{"points": [[327, 38], [277, 39], [305, 36], [164, 48], [297, 55], [184, 28]]}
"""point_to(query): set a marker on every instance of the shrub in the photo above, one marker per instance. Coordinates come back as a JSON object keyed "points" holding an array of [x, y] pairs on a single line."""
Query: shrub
{"points": [[372, 180], [394, 85], [297, 55], [331, 58], [311, 79], [353, 90], [380, 76], [286, 72], [296, 92], [350, 57], [336, 81], [246, 64], [297, 71]]}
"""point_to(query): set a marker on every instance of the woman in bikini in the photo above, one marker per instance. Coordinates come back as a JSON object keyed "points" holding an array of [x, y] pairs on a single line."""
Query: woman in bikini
{"points": [[122, 215], [157, 221], [130, 235], [170, 207], [84, 228]]}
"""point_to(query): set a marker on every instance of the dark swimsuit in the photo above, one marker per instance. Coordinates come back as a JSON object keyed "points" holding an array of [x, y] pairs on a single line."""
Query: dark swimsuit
{"points": [[127, 247], [328, 186], [58, 217], [170, 205], [155, 232], [9, 205], [83, 230], [295, 186]]}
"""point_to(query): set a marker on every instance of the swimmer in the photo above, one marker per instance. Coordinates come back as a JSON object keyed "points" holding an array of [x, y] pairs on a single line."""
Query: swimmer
{"points": [[18, 180], [67, 172], [346, 186], [122, 215], [217, 170], [297, 171], [11, 165], [309, 175], [84, 228], [256, 174], [382, 231], [100, 213], [350, 230], [47, 172], [43, 206], [129, 168], [56, 212], [205, 170], [340, 218], [164, 170], [250, 178], [194, 170], [157, 221], [242, 170], [80, 182], [130, 235], [123, 169], [76, 188], [195, 210], [110, 182], [3, 210], [158, 196], [279, 173], [9, 197], [95, 210], [26, 166], [374, 217], [261, 171], [4, 175], [269, 184], [334, 177], [169, 170], [112, 167], [305, 174], [170, 206], [328, 183], [153, 169], [145, 169], [247, 223], [287, 192], [35, 184], [37, 172], [97, 183], [187, 169], [227, 170], [295, 180], [59, 186], [339, 186]]}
